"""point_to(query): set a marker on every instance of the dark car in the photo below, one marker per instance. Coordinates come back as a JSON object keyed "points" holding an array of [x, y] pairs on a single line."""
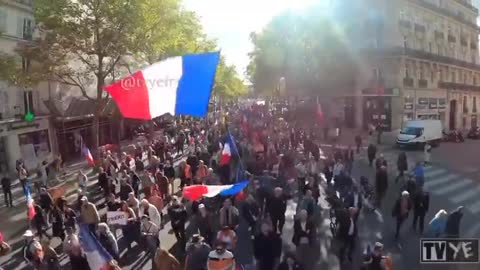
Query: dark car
{"points": [[474, 133]]}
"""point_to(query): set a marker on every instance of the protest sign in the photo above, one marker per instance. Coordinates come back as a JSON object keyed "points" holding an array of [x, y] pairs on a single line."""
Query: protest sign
{"points": [[116, 217]]}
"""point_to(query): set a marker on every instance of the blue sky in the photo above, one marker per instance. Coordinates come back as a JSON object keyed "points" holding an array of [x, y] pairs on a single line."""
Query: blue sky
{"points": [[232, 21]]}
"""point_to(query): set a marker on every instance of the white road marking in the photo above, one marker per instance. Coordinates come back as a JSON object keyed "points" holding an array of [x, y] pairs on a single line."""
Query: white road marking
{"points": [[466, 195], [475, 207], [452, 187], [434, 173], [439, 181]]}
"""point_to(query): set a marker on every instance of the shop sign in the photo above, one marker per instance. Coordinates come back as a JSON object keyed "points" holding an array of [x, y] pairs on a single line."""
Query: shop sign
{"points": [[13, 126]]}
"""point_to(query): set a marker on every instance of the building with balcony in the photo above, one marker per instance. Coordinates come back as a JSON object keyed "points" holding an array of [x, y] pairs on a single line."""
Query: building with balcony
{"points": [[29, 140], [419, 60]]}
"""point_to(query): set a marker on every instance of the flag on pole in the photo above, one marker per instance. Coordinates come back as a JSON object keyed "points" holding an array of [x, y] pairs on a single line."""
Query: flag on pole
{"points": [[229, 149], [30, 206], [97, 256], [319, 112], [88, 156], [177, 85]]}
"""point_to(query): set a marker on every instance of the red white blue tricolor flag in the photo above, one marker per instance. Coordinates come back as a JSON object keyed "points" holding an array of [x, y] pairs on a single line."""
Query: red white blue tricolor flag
{"points": [[97, 256], [196, 192], [229, 149], [30, 203], [179, 86], [88, 156]]}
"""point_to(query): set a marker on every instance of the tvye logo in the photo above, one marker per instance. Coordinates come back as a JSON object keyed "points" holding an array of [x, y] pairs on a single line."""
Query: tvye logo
{"points": [[450, 250]]}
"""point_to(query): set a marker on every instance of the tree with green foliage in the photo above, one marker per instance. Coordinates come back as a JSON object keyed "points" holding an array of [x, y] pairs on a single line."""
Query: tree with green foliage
{"points": [[227, 83], [86, 44], [308, 49]]}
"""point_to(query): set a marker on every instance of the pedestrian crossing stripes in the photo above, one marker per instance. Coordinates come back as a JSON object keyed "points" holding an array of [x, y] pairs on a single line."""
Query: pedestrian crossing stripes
{"points": [[439, 181], [434, 172], [466, 195], [452, 187]]}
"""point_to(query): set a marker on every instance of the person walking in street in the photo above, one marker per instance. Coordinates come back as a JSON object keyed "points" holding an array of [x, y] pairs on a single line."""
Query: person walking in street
{"points": [[290, 262], [381, 185], [304, 233], [452, 227], [7, 190], [421, 202], [400, 211], [178, 218], [419, 175], [267, 248], [23, 177], [220, 258], [108, 241], [203, 221], [358, 143], [276, 206], [46, 202], [89, 214], [150, 235], [402, 165], [164, 260], [348, 235], [436, 227], [229, 215], [427, 149], [197, 253], [151, 211], [371, 153], [379, 130], [380, 161], [74, 250]]}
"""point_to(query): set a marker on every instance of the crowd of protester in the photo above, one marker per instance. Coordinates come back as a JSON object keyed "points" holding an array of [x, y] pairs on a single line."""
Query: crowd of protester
{"points": [[280, 156]]}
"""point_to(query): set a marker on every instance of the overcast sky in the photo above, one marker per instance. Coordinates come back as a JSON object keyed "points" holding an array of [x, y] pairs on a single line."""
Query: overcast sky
{"points": [[232, 21]]}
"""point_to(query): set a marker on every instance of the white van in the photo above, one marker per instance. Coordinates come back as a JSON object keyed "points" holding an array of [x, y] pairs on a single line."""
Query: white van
{"points": [[418, 132]]}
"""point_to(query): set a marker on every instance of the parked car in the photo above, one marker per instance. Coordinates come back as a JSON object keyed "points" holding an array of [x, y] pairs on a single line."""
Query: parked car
{"points": [[474, 133]]}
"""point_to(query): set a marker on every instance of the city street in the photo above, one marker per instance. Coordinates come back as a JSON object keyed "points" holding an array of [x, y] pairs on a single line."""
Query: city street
{"points": [[450, 181]]}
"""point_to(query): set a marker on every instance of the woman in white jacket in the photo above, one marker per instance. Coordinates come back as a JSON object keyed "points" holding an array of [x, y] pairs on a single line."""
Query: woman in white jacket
{"points": [[151, 211]]}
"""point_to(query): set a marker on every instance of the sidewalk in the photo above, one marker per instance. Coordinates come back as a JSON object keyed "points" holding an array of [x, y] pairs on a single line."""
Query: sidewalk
{"points": [[347, 138]]}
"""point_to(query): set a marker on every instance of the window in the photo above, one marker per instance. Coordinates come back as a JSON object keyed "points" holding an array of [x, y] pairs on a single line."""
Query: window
{"points": [[465, 78], [28, 101], [407, 74], [24, 28], [430, 47], [405, 42], [474, 105], [27, 29], [432, 76], [453, 77], [474, 80], [421, 73], [465, 105]]}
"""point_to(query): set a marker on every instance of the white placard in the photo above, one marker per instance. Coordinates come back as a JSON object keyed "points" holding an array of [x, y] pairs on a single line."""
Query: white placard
{"points": [[117, 217]]}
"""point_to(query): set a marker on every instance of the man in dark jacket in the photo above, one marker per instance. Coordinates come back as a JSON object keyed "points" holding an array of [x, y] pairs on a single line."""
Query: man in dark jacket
{"points": [[371, 152], [103, 181], [178, 218], [402, 165], [452, 228], [421, 202], [381, 184], [380, 161], [400, 210], [7, 191], [125, 189], [267, 248], [276, 207]]}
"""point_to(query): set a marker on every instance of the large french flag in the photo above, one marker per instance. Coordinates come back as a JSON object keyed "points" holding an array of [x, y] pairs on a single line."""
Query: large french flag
{"points": [[229, 149], [196, 192], [97, 256], [179, 85]]}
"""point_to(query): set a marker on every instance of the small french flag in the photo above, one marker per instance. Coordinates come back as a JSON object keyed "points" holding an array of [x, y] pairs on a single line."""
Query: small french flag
{"points": [[88, 156], [229, 149], [30, 204], [176, 85]]}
